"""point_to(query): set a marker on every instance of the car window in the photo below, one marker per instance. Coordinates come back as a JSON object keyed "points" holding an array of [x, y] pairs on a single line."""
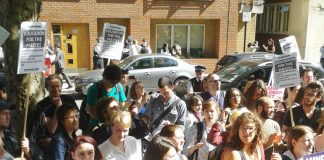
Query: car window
{"points": [[164, 62], [262, 73], [231, 72], [143, 64], [227, 60]]}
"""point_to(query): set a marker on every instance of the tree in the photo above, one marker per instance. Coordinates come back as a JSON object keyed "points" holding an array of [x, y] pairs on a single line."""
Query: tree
{"points": [[27, 89]]}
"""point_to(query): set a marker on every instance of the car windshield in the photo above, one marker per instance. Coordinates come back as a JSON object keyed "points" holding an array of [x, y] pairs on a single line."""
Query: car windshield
{"points": [[126, 61], [229, 73]]}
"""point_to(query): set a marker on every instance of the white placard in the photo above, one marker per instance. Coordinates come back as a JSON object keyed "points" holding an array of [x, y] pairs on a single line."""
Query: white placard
{"points": [[4, 34], [289, 45], [246, 17], [113, 41], [286, 71], [31, 58]]}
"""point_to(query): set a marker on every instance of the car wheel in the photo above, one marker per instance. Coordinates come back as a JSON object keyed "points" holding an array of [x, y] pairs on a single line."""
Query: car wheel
{"points": [[180, 86]]}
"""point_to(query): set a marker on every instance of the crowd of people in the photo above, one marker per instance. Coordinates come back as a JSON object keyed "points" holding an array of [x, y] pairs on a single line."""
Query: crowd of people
{"points": [[126, 123]]}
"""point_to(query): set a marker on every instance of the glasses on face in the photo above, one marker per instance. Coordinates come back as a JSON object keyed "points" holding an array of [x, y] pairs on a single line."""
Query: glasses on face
{"points": [[249, 129], [77, 116]]}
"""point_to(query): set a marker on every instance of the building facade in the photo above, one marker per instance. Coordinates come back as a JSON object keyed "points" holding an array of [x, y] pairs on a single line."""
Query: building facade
{"points": [[303, 19], [203, 28]]}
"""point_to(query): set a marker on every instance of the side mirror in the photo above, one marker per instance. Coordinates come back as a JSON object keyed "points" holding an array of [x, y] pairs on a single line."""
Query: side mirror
{"points": [[130, 68]]}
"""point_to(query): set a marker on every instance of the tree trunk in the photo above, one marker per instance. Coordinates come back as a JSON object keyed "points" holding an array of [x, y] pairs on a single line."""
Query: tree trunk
{"points": [[24, 90]]}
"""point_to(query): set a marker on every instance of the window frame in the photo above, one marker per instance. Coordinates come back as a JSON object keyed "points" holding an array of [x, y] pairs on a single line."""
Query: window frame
{"points": [[188, 35]]}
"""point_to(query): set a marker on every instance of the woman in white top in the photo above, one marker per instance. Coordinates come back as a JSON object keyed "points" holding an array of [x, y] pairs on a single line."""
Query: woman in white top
{"points": [[196, 148], [194, 106], [165, 49], [120, 146]]}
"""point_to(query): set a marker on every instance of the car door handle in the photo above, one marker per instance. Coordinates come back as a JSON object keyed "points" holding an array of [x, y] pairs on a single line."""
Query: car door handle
{"points": [[147, 73], [172, 71]]}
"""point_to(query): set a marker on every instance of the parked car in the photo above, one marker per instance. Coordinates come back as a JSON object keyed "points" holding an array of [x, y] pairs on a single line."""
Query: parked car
{"points": [[147, 68], [231, 58], [237, 74]]}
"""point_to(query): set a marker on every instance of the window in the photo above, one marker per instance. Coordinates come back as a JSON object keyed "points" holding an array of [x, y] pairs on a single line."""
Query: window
{"points": [[164, 62], [275, 18], [143, 64], [190, 38]]}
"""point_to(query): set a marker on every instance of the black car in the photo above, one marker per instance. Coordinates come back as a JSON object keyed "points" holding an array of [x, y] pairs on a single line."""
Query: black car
{"points": [[231, 58], [237, 74]]}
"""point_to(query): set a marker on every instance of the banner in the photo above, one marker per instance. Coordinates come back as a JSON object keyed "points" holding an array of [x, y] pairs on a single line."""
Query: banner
{"points": [[286, 71], [289, 45], [113, 41], [33, 36], [314, 156]]}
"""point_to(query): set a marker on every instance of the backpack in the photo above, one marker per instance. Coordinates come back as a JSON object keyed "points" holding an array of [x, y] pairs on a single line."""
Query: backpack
{"points": [[84, 116]]}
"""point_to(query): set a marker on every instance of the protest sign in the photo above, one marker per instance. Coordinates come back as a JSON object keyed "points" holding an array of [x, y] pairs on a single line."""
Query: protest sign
{"points": [[31, 58], [113, 41], [314, 156], [286, 71], [289, 45], [4, 34]]}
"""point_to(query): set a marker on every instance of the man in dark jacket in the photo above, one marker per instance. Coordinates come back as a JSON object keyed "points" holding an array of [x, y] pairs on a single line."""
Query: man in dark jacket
{"points": [[11, 142], [59, 65]]}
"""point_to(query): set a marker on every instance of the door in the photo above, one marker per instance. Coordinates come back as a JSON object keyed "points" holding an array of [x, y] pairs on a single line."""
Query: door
{"points": [[74, 40], [142, 70], [164, 67]]}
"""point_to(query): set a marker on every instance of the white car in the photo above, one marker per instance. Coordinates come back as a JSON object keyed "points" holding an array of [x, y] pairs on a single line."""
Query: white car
{"points": [[147, 68]]}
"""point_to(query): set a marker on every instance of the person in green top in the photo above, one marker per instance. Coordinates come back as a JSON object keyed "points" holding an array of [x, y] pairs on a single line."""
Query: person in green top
{"points": [[109, 86]]}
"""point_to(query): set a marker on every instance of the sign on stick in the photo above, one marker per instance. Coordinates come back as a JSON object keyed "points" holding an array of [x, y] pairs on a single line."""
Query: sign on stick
{"points": [[31, 58], [113, 41]]}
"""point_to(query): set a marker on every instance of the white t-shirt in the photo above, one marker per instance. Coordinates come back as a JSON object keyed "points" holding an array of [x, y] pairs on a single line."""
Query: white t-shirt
{"points": [[133, 150]]}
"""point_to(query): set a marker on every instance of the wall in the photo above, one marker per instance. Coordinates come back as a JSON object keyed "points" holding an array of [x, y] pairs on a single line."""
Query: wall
{"points": [[141, 13], [250, 33], [315, 31]]}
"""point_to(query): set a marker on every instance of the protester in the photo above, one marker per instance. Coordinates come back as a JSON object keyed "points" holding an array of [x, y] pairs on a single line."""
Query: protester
{"points": [[300, 143], [245, 138], [139, 97], [194, 108], [124, 82], [165, 49], [85, 148], [175, 134], [120, 145], [59, 65], [97, 60], [161, 104], [307, 77], [270, 47], [253, 47], [195, 84], [104, 108], [68, 123], [109, 86], [3, 153], [42, 120], [196, 145], [306, 113], [9, 138], [265, 109], [319, 139], [214, 92], [160, 148], [233, 101], [256, 90]]}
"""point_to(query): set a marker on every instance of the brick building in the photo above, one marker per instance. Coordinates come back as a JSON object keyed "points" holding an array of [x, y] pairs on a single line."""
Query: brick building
{"points": [[204, 28]]}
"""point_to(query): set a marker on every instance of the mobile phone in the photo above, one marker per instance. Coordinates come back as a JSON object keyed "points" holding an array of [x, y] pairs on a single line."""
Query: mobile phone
{"points": [[131, 77]]}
